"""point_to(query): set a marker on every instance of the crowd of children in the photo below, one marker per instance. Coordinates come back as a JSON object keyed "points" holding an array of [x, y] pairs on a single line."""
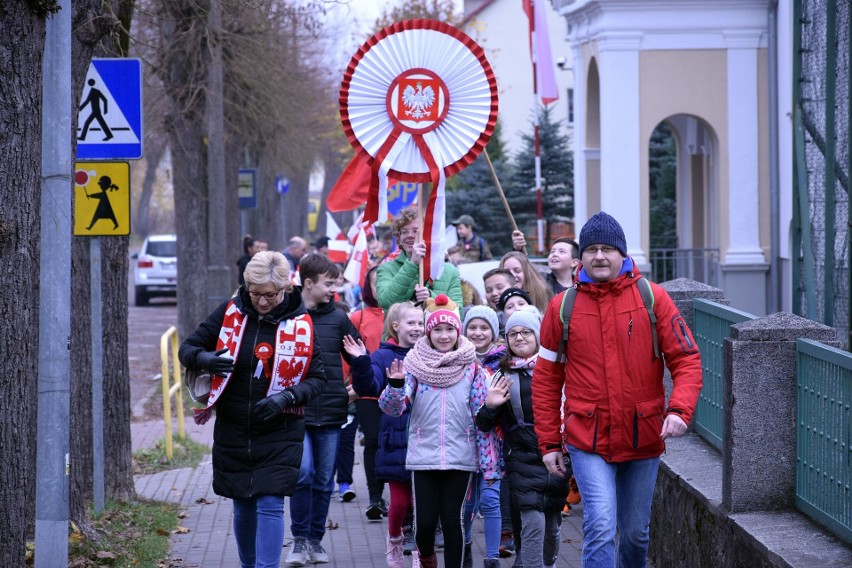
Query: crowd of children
{"points": [[441, 395]]}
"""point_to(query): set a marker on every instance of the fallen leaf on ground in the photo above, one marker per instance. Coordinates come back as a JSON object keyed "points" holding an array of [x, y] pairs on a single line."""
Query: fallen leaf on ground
{"points": [[332, 525], [105, 554], [180, 530], [203, 501], [163, 532]]}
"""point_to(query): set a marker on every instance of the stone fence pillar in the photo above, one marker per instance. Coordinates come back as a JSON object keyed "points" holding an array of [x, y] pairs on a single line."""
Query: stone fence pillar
{"points": [[759, 428], [684, 290]]}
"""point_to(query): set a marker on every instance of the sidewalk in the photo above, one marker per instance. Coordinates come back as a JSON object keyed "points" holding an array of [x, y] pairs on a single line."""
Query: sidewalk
{"points": [[351, 540]]}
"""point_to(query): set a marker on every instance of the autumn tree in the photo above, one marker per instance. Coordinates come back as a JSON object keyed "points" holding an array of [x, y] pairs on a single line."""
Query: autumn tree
{"points": [[22, 41], [275, 94], [473, 192], [24, 25], [557, 171]]}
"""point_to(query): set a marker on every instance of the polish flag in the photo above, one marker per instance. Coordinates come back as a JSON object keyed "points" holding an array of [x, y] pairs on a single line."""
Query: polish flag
{"points": [[545, 71], [359, 224], [332, 231], [358, 266], [338, 251]]}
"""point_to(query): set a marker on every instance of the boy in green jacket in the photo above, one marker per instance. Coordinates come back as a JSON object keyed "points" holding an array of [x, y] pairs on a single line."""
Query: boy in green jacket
{"points": [[398, 280]]}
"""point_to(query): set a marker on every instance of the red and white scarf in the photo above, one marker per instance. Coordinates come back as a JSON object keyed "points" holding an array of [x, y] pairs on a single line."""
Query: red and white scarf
{"points": [[291, 356]]}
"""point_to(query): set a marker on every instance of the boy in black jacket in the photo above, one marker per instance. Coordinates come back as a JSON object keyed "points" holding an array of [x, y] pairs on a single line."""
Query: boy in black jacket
{"points": [[324, 415]]}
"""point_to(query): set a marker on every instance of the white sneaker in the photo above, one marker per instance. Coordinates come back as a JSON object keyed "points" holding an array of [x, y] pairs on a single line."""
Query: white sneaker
{"points": [[298, 555], [393, 555], [316, 553]]}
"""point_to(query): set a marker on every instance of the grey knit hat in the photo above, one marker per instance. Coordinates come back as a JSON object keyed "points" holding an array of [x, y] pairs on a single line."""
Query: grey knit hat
{"points": [[484, 313], [527, 317], [602, 229]]}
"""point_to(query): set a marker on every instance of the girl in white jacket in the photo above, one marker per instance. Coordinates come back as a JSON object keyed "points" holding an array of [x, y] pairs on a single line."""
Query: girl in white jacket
{"points": [[446, 387]]}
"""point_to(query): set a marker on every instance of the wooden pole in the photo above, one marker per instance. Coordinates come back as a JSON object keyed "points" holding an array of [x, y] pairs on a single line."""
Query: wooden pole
{"points": [[500, 193], [420, 227]]}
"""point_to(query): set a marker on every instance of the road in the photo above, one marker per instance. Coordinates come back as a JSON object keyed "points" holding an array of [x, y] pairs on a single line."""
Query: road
{"points": [[145, 326]]}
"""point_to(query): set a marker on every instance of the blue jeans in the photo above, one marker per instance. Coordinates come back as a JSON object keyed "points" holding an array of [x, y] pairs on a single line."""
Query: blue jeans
{"points": [[259, 530], [615, 495], [485, 498], [309, 503]]}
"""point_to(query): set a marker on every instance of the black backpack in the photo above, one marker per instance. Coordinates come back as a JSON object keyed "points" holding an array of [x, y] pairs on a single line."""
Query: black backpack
{"points": [[568, 308]]}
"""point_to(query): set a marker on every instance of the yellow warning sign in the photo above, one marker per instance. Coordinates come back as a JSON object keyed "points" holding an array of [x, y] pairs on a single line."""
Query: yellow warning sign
{"points": [[102, 199]]}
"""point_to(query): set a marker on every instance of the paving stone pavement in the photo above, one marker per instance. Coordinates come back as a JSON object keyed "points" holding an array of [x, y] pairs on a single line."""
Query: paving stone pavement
{"points": [[351, 542]]}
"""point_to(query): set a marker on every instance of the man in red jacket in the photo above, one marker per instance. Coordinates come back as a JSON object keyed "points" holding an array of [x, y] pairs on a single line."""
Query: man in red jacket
{"points": [[615, 413]]}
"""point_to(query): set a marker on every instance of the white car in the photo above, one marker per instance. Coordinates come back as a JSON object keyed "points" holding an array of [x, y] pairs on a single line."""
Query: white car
{"points": [[473, 271], [155, 273]]}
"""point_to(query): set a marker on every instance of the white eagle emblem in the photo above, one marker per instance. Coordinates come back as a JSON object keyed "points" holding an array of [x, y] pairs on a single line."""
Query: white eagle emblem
{"points": [[418, 100]]}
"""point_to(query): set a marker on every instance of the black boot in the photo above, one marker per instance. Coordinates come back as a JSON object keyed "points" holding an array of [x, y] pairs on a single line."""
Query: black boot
{"points": [[467, 559]]}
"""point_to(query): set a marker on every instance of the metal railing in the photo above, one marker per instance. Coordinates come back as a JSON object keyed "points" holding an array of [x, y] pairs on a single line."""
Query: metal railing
{"points": [[172, 386], [701, 265], [824, 435], [712, 324]]}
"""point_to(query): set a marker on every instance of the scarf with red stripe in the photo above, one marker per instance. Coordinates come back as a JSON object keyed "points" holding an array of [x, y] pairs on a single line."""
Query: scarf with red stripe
{"points": [[290, 358]]}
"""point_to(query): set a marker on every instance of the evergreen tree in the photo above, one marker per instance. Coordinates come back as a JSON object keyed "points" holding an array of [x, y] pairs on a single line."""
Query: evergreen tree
{"points": [[662, 167], [557, 171], [472, 192]]}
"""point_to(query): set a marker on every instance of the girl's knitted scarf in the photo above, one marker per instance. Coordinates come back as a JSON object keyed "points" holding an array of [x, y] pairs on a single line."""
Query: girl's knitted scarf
{"points": [[431, 367], [521, 363]]}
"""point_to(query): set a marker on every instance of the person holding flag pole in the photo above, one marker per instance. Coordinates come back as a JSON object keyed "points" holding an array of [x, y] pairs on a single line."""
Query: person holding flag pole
{"points": [[395, 101]]}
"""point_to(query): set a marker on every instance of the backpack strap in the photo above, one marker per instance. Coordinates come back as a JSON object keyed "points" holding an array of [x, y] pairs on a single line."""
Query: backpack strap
{"points": [[568, 306], [481, 247], [515, 400], [648, 299], [565, 315]]}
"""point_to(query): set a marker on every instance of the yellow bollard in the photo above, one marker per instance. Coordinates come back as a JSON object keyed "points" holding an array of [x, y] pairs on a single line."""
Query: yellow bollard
{"points": [[172, 385]]}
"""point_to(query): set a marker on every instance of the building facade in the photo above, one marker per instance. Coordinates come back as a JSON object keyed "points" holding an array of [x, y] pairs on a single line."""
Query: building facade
{"points": [[718, 73]]}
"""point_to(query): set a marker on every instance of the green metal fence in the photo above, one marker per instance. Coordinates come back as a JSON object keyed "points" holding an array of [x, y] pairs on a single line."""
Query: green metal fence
{"points": [[823, 436], [712, 324], [822, 121]]}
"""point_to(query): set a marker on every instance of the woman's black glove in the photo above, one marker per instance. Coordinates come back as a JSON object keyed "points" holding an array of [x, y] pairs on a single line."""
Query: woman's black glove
{"points": [[271, 406], [210, 361]]}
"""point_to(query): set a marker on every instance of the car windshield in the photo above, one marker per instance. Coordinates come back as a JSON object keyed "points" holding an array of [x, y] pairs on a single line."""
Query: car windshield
{"points": [[162, 248]]}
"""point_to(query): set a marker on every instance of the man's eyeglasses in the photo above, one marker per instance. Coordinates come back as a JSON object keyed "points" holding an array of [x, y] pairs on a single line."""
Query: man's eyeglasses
{"points": [[268, 296], [604, 249], [525, 333]]}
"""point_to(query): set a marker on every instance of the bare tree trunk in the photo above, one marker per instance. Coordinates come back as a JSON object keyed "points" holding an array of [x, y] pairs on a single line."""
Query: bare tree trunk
{"points": [[81, 490], [296, 206], [182, 58], [153, 156], [21, 45], [118, 470], [97, 33]]}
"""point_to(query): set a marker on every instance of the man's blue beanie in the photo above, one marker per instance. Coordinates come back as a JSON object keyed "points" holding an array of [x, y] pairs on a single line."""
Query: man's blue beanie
{"points": [[602, 229]]}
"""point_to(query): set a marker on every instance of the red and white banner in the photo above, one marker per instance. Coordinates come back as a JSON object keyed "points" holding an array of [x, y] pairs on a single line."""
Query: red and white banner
{"points": [[359, 224], [332, 230], [542, 57], [358, 266], [338, 251], [418, 102]]}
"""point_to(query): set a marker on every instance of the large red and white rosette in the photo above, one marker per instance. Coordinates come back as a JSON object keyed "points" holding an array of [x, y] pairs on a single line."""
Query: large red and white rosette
{"points": [[418, 103]]}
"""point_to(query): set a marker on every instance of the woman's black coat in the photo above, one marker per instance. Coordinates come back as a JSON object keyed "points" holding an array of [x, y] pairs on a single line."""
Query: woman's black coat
{"points": [[250, 457], [533, 487]]}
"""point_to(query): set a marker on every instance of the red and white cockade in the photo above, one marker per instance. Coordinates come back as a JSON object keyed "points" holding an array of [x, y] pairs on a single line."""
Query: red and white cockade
{"points": [[418, 103]]}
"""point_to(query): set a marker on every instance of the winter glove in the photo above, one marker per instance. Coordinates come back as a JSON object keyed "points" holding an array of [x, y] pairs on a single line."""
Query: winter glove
{"points": [[210, 361], [396, 383], [272, 405]]}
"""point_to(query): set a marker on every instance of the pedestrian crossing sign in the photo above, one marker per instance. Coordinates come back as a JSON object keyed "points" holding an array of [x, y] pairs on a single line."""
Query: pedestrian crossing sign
{"points": [[102, 199], [109, 119]]}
